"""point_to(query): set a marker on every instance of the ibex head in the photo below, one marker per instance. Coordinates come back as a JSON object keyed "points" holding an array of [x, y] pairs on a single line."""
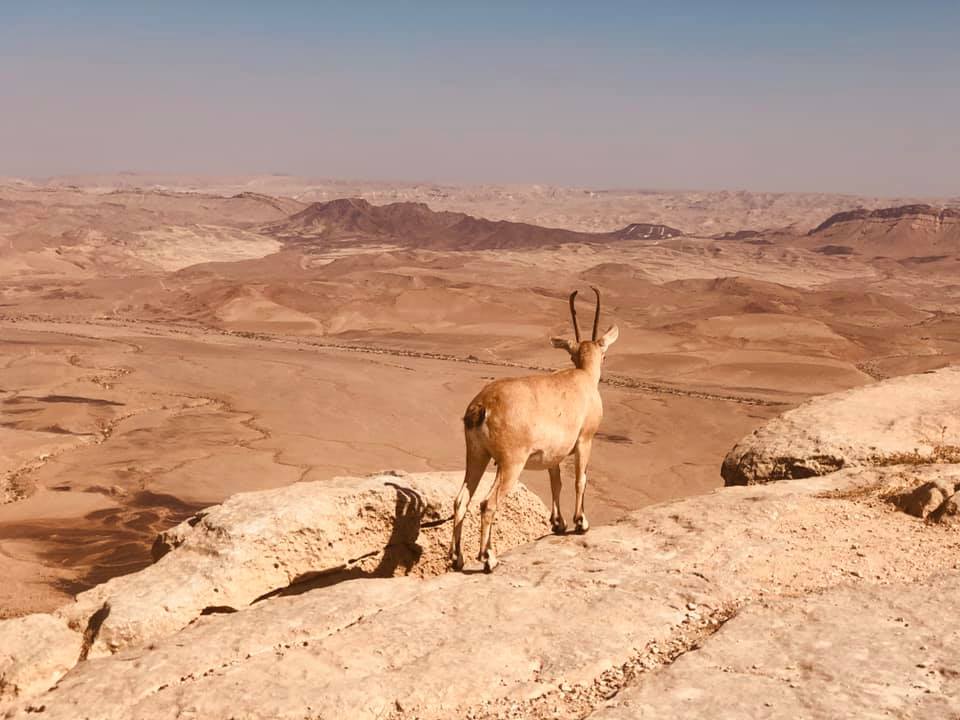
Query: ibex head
{"points": [[587, 352]]}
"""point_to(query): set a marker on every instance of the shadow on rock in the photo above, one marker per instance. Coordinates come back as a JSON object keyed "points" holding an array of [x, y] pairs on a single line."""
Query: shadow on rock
{"points": [[397, 557]]}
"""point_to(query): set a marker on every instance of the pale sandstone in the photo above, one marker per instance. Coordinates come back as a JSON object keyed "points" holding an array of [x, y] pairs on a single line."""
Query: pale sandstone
{"points": [[855, 651], [35, 651], [559, 612], [227, 556], [915, 418]]}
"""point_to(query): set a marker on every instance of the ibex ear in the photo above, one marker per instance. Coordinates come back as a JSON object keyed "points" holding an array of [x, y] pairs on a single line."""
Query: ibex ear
{"points": [[609, 338], [563, 344]]}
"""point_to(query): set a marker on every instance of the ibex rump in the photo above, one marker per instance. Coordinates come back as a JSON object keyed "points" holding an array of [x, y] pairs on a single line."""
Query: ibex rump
{"points": [[533, 422]]}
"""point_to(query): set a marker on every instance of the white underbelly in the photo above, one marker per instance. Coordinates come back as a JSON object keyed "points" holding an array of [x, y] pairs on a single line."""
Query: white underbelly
{"points": [[546, 459]]}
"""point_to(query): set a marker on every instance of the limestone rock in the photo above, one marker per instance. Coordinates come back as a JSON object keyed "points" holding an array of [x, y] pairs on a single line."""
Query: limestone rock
{"points": [[559, 619], [35, 651], [850, 652], [228, 556], [913, 419]]}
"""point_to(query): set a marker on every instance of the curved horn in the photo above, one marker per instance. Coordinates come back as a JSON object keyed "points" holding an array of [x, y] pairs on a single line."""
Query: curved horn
{"points": [[596, 316], [573, 315]]}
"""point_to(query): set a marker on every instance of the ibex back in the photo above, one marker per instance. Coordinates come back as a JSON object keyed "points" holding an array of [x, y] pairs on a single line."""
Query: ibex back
{"points": [[533, 422]]}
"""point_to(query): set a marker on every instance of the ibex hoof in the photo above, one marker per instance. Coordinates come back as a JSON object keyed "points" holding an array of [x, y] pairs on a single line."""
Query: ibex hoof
{"points": [[582, 525], [457, 563], [490, 564], [559, 527]]}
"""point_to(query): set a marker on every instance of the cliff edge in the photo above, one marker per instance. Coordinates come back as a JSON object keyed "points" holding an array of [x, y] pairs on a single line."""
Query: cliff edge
{"points": [[822, 597]]}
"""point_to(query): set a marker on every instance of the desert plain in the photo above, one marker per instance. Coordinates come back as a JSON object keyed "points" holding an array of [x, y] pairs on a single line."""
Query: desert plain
{"points": [[169, 341]]}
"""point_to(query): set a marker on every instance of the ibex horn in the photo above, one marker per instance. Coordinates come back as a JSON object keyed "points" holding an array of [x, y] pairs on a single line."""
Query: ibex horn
{"points": [[573, 315], [596, 317]]}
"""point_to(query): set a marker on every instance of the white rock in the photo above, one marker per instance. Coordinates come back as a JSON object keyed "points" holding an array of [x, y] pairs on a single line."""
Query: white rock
{"points": [[909, 418], [35, 651], [229, 555]]}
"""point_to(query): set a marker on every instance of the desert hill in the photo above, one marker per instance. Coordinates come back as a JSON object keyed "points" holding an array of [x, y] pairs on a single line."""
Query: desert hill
{"points": [[68, 232], [919, 233], [416, 225]]}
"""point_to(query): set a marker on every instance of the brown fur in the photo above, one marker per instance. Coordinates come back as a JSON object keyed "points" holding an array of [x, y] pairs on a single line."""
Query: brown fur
{"points": [[532, 422], [474, 416]]}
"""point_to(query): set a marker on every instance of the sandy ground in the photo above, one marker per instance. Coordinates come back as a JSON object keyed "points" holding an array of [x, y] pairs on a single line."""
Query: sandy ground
{"points": [[137, 385]]}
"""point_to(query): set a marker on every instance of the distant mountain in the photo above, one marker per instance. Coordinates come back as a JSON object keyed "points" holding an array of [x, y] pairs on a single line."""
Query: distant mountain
{"points": [[646, 231], [416, 225], [907, 232], [890, 213]]}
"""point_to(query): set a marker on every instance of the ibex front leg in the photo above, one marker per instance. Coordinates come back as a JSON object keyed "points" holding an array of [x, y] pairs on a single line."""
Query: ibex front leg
{"points": [[556, 518], [582, 457], [508, 474]]}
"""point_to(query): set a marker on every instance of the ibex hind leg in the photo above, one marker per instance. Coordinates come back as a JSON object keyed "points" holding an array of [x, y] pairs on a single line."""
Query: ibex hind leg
{"points": [[508, 474], [477, 461]]}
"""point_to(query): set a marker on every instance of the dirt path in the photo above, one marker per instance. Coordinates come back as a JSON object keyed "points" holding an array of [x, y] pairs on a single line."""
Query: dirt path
{"points": [[207, 331]]}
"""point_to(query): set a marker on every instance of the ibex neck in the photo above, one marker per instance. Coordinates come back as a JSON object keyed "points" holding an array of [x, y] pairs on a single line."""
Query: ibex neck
{"points": [[593, 369]]}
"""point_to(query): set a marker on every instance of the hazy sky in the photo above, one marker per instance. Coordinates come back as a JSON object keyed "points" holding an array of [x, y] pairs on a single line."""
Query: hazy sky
{"points": [[848, 95]]}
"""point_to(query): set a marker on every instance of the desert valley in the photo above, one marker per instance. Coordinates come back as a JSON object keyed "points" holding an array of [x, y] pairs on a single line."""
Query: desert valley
{"points": [[167, 342]]}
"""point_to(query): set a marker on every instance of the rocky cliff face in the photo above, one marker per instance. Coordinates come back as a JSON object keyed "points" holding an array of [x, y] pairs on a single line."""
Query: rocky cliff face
{"points": [[818, 597], [891, 213], [904, 232]]}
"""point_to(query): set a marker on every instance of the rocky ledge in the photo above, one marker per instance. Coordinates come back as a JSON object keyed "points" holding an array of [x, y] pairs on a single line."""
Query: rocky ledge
{"points": [[820, 597], [254, 547], [910, 420]]}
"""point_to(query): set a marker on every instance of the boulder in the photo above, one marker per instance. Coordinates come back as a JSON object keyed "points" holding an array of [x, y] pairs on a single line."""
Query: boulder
{"points": [[255, 544], [913, 419], [929, 497], [949, 511], [565, 625], [35, 651]]}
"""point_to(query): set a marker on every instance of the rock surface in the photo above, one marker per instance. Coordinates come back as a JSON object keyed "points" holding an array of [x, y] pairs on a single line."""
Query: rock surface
{"points": [[227, 556], [930, 499], [912, 419], [254, 545], [564, 623], [35, 651], [949, 511], [823, 597], [851, 652]]}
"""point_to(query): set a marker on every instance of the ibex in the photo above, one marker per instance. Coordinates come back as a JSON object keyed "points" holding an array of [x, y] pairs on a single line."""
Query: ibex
{"points": [[533, 422]]}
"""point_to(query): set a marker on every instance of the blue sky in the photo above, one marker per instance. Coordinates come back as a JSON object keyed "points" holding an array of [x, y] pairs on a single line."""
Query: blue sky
{"points": [[843, 96]]}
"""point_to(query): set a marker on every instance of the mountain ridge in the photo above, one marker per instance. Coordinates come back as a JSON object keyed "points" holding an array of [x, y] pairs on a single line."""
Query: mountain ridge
{"points": [[415, 223]]}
